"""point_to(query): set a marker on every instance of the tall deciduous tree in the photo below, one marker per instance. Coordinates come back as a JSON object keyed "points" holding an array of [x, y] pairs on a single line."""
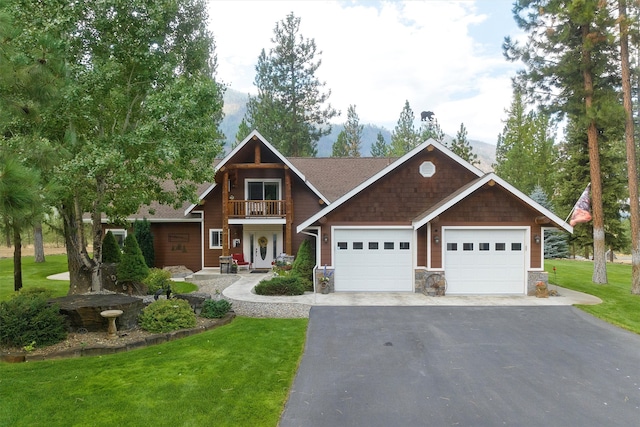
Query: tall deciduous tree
{"points": [[291, 109], [379, 148], [140, 107], [404, 136], [568, 58], [461, 146]]}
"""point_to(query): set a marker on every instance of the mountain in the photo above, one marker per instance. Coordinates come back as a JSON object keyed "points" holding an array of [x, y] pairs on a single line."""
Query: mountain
{"points": [[235, 107]]}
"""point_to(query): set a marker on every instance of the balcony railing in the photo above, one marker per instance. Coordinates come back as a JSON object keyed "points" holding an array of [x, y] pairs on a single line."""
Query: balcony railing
{"points": [[257, 208]]}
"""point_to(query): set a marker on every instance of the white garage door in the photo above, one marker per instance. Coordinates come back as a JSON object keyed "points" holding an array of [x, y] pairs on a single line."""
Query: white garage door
{"points": [[373, 260], [485, 261]]}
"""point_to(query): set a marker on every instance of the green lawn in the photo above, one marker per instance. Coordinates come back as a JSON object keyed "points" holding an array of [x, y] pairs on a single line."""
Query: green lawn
{"points": [[236, 375], [34, 275], [618, 307]]}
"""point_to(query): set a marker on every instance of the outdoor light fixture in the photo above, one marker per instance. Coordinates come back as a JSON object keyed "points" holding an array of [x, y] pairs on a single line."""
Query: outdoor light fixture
{"points": [[536, 238], [325, 238], [436, 238]]}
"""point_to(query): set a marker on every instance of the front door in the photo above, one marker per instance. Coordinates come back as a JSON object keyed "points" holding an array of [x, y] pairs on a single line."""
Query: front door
{"points": [[265, 244]]}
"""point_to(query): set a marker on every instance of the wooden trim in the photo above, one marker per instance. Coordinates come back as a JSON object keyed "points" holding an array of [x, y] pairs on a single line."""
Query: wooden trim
{"points": [[257, 158], [254, 166], [289, 215]]}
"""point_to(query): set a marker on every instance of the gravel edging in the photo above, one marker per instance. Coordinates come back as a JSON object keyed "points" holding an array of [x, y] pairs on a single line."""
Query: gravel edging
{"points": [[252, 309]]}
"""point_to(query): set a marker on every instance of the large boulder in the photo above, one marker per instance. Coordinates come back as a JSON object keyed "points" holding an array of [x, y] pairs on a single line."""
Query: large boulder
{"points": [[83, 311]]}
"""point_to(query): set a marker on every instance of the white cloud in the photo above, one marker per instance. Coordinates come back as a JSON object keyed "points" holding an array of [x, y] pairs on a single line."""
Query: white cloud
{"points": [[376, 55]]}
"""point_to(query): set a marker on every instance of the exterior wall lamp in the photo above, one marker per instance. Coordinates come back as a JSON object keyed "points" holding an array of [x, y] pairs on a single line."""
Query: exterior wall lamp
{"points": [[436, 239], [536, 239], [325, 238]]}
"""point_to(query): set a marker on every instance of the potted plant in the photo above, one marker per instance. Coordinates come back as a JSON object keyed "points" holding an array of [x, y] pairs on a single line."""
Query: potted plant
{"points": [[324, 280]]}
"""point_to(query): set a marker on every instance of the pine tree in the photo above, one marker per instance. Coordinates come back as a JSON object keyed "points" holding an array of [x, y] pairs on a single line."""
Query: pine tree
{"points": [[461, 146], [242, 133], [290, 109], [132, 268], [353, 132], [379, 148], [142, 231], [111, 252], [570, 69], [431, 130], [404, 137], [339, 148]]}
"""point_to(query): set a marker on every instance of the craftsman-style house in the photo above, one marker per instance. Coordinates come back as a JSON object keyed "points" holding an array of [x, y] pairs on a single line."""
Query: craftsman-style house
{"points": [[380, 224]]}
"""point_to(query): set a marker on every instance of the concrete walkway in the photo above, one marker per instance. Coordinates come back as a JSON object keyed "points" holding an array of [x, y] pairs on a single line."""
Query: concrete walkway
{"points": [[242, 290]]}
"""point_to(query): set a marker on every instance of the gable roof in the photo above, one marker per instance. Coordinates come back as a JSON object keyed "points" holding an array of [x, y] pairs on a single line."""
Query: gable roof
{"points": [[382, 173], [255, 135], [473, 186]]}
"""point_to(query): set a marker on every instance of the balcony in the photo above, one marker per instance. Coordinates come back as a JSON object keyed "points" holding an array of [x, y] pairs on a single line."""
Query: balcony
{"points": [[257, 209]]}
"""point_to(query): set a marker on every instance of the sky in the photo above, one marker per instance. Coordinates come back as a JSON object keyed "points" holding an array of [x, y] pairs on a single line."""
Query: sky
{"points": [[441, 56]]}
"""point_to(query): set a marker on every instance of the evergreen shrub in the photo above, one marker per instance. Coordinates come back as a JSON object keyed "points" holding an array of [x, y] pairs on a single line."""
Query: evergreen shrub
{"points": [[111, 252], [167, 315], [142, 231], [280, 285], [215, 309], [28, 319], [157, 279], [132, 268], [304, 263]]}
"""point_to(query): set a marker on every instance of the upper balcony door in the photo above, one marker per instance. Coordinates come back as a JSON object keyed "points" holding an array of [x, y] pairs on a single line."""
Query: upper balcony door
{"points": [[262, 196]]}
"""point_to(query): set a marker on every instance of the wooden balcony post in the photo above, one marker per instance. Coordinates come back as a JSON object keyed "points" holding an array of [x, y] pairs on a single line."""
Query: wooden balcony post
{"points": [[225, 213]]}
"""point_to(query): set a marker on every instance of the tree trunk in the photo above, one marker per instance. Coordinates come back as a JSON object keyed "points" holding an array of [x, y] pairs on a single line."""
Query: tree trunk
{"points": [[38, 243], [17, 260], [79, 263], [632, 172], [599, 248]]}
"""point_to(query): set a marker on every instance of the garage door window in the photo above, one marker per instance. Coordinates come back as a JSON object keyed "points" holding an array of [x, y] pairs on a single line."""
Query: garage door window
{"points": [[357, 245], [516, 246], [501, 247], [342, 245], [452, 246], [373, 245], [404, 245], [389, 245], [467, 246], [483, 246]]}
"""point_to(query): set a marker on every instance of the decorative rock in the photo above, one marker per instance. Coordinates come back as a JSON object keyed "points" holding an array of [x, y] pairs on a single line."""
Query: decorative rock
{"points": [[178, 271], [83, 311]]}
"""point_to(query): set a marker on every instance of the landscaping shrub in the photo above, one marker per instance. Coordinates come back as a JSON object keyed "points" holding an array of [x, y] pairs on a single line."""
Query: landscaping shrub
{"points": [[37, 291], [142, 231], [157, 279], [304, 262], [280, 285], [167, 315], [215, 309], [28, 320], [132, 268], [111, 252]]}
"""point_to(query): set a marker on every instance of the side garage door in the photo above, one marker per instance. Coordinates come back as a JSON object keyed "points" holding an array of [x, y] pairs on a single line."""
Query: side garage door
{"points": [[373, 260], [485, 261]]}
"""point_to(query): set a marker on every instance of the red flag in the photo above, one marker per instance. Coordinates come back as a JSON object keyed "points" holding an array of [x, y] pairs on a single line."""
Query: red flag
{"points": [[582, 209]]}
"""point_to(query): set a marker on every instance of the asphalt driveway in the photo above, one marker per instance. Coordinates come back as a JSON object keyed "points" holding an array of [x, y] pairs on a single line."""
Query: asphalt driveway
{"points": [[464, 366]]}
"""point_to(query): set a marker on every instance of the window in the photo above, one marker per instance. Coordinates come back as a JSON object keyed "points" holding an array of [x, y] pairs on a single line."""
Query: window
{"points": [[516, 246], [388, 245], [373, 245], [215, 238], [484, 246], [467, 246], [501, 247], [452, 246], [404, 245], [120, 235], [263, 190], [358, 245], [342, 245]]}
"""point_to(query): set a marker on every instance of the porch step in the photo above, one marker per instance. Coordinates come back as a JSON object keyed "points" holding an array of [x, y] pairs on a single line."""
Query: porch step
{"points": [[205, 274]]}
